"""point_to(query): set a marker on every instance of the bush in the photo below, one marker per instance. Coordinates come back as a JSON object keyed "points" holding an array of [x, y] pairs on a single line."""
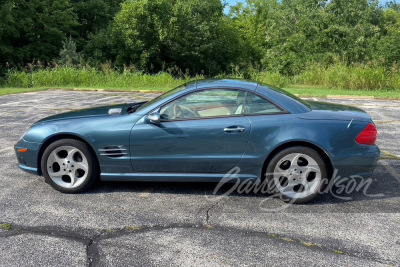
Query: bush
{"points": [[89, 77], [338, 75], [272, 78], [68, 54], [354, 77]]}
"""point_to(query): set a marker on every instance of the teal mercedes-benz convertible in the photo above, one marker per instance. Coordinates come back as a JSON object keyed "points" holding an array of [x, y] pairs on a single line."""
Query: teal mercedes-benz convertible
{"points": [[199, 132]]}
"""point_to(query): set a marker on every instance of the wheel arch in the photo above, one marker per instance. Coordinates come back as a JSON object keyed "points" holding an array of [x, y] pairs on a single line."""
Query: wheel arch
{"points": [[324, 155], [57, 137]]}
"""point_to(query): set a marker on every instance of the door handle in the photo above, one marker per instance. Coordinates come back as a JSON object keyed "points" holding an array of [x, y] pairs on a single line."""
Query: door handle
{"points": [[231, 129]]}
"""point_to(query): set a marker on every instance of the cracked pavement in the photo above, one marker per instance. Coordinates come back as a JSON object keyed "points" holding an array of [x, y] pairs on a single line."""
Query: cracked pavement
{"points": [[173, 224]]}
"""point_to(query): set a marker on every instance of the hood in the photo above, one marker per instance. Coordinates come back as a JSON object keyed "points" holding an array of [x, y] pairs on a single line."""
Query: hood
{"points": [[91, 112], [330, 111]]}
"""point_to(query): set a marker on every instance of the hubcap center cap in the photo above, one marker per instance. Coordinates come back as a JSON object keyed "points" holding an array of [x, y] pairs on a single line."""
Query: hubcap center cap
{"points": [[295, 174], [68, 166]]}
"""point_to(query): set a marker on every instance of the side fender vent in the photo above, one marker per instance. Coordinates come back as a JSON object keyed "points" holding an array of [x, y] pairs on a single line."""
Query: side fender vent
{"points": [[113, 151]]}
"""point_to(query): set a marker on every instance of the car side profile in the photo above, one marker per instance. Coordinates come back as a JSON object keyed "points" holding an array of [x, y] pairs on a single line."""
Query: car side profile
{"points": [[200, 131]]}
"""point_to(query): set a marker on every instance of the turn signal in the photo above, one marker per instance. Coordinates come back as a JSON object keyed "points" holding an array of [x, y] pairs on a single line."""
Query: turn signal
{"points": [[22, 150], [368, 135]]}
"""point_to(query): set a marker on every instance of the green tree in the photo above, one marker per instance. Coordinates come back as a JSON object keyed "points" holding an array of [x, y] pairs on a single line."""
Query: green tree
{"points": [[283, 35], [388, 45], [159, 34], [287, 35], [34, 29], [354, 26], [93, 16]]}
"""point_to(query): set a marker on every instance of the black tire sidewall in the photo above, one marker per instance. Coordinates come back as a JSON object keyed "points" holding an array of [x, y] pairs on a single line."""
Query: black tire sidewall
{"points": [[298, 149], [92, 162]]}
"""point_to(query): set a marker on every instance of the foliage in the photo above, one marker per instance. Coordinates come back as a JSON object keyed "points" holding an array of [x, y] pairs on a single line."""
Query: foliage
{"points": [[287, 35], [338, 76], [156, 35], [68, 54], [92, 17], [88, 77], [342, 76], [33, 30], [333, 43]]}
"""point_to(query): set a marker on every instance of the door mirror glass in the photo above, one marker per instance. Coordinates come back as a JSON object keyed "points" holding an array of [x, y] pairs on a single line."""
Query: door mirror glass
{"points": [[154, 117]]}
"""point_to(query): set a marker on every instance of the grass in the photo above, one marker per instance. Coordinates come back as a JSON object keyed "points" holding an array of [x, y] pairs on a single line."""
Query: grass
{"points": [[300, 90], [68, 77], [133, 228], [8, 91], [337, 252], [317, 91], [353, 77], [316, 81], [6, 227]]}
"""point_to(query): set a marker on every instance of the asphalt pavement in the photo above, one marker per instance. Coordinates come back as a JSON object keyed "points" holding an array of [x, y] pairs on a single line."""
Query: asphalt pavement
{"points": [[185, 224]]}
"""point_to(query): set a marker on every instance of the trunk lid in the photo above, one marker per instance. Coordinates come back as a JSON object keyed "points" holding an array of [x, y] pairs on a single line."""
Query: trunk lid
{"points": [[331, 111]]}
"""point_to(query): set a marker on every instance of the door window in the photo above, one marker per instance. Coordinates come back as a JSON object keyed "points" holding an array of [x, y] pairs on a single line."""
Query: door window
{"points": [[258, 105], [205, 104]]}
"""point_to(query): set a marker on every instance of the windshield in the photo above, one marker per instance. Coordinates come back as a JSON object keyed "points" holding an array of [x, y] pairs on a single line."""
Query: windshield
{"points": [[161, 97]]}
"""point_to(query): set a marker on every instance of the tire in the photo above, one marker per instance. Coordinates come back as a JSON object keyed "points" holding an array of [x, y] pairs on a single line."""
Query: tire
{"points": [[296, 175], [69, 166]]}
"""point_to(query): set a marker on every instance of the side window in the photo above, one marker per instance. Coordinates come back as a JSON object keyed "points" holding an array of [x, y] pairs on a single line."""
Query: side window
{"points": [[258, 105], [205, 104]]}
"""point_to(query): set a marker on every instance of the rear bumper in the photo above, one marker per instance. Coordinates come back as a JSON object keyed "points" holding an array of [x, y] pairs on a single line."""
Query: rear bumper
{"points": [[357, 165]]}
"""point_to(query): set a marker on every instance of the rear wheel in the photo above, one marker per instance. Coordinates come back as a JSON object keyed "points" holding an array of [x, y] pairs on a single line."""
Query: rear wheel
{"points": [[69, 166], [297, 174]]}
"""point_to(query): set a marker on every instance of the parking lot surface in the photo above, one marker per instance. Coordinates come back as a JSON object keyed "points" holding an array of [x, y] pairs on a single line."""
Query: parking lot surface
{"points": [[119, 224]]}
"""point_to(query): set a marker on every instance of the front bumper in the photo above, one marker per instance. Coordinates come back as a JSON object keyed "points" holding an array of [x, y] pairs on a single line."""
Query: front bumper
{"points": [[28, 169], [28, 161]]}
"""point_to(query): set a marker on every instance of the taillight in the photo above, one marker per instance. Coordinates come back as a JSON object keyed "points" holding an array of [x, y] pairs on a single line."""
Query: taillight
{"points": [[368, 135]]}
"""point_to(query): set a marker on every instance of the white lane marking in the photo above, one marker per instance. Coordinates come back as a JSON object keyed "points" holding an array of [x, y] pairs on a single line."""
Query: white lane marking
{"points": [[12, 103], [31, 101], [105, 98], [390, 169], [6, 149], [26, 103]]}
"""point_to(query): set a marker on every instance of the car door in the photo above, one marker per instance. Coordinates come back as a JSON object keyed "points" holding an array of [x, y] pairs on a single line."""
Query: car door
{"points": [[201, 132]]}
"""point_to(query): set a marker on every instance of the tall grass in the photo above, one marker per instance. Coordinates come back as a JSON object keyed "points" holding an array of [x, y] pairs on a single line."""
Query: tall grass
{"points": [[336, 76], [271, 78], [356, 77], [109, 78], [89, 77]]}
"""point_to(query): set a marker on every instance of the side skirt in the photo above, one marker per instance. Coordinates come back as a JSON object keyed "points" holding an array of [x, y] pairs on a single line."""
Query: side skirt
{"points": [[174, 177]]}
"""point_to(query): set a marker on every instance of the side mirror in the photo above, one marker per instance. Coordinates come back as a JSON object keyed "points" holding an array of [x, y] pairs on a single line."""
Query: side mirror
{"points": [[154, 117]]}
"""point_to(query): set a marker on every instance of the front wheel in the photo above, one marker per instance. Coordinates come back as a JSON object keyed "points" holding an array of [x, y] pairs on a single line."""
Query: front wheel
{"points": [[69, 166], [297, 174]]}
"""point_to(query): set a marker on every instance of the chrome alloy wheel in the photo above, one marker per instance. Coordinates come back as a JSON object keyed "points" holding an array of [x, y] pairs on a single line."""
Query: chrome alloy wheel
{"points": [[297, 175], [67, 167]]}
